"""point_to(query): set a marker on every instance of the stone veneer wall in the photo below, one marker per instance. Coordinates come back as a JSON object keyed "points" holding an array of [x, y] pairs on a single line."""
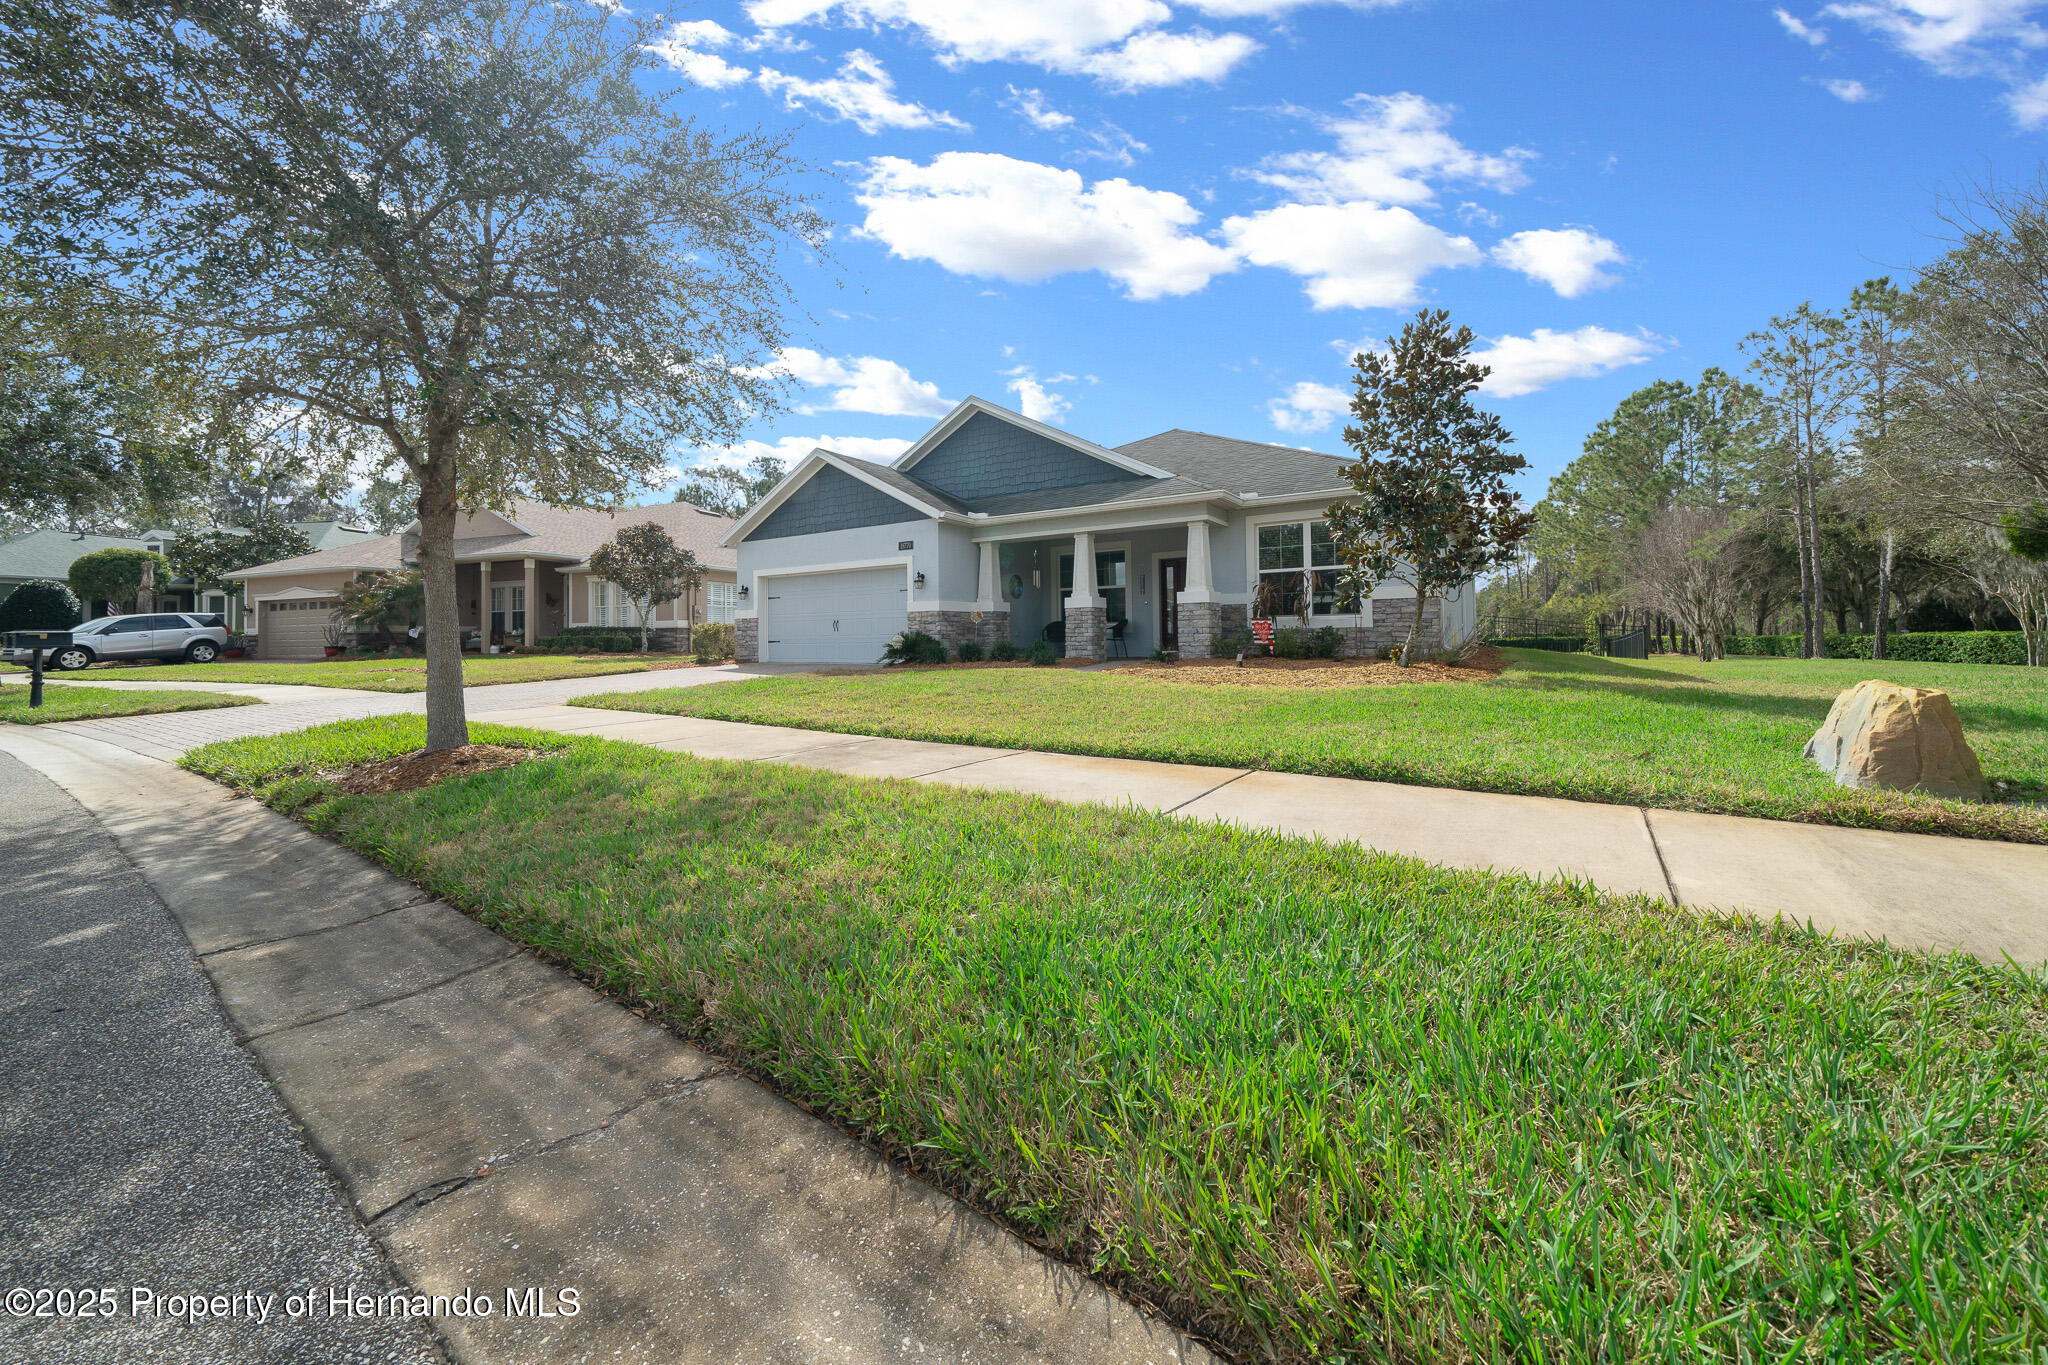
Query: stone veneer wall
{"points": [[1200, 627], [746, 640], [1087, 632], [952, 628]]}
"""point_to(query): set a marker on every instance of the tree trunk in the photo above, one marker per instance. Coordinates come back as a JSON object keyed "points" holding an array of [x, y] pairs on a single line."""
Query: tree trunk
{"points": [[644, 612], [1805, 576], [1820, 599], [1414, 631], [1878, 628], [447, 722]]}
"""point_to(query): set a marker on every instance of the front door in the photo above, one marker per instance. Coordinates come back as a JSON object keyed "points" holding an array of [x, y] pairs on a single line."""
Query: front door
{"points": [[1173, 576]]}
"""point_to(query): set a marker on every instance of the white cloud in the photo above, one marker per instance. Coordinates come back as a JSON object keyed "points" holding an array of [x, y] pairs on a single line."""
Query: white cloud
{"points": [[2029, 104], [1308, 407], [1525, 364], [1849, 91], [1393, 149], [1040, 115], [1152, 59], [983, 214], [1799, 28], [1566, 259], [862, 93], [790, 449], [1119, 41], [1953, 36], [861, 384], [1034, 399], [682, 47], [1352, 255], [1105, 141]]}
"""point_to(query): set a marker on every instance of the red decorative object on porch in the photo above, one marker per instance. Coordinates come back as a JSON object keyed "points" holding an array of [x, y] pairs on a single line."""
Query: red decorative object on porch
{"points": [[1262, 631]]}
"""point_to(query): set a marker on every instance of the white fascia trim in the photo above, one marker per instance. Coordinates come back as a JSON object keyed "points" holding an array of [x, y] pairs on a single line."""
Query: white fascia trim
{"points": [[841, 566], [798, 477], [294, 594], [970, 405], [261, 572], [1086, 518]]}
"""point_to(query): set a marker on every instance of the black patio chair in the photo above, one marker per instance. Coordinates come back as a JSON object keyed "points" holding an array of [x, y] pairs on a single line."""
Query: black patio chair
{"points": [[1116, 639], [1055, 631]]}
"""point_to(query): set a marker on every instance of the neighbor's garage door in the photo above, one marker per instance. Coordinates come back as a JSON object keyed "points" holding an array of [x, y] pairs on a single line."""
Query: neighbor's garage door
{"points": [[833, 618], [295, 630]]}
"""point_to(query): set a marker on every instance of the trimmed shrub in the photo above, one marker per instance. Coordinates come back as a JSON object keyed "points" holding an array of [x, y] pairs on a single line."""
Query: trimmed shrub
{"points": [[1291, 643], [1558, 644], [1921, 646], [1326, 642], [1004, 652], [712, 641], [115, 575], [41, 604], [915, 647], [1042, 654], [1234, 644], [970, 651]]}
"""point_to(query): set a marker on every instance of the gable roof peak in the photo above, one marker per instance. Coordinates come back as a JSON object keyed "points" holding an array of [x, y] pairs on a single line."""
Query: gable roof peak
{"points": [[972, 404]]}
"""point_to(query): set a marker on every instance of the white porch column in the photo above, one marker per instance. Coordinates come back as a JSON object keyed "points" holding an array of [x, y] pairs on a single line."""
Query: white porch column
{"points": [[1084, 594], [989, 592], [1201, 586], [532, 605]]}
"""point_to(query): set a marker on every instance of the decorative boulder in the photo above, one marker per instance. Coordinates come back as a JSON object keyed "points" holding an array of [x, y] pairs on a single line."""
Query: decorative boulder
{"points": [[1900, 739]]}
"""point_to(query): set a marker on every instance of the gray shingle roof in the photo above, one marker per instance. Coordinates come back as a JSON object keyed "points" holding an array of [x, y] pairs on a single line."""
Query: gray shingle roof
{"points": [[48, 554], [905, 483], [1201, 464]]}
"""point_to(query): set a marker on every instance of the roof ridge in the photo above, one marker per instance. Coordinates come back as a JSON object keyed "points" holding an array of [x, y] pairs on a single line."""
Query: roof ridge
{"points": [[1240, 440]]}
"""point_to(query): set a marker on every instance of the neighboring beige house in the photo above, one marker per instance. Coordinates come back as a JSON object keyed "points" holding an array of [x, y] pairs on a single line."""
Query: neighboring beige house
{"points": [[520, 577]]}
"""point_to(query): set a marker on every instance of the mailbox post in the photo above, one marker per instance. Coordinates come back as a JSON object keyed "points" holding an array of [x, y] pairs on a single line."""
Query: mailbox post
{"points": [[36, 641]]}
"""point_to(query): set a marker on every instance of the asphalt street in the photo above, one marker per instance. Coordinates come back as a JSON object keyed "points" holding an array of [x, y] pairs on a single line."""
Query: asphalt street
{"points": [[142, 1151]]}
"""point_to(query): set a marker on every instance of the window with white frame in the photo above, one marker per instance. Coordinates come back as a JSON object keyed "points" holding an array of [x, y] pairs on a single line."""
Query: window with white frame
{"points": [[1295, 556], [601, 602], [1112, 583], [722, 602]]}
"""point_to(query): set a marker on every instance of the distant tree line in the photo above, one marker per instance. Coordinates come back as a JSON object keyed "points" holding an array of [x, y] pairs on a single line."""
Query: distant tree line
{"points": [[1881, 463]]}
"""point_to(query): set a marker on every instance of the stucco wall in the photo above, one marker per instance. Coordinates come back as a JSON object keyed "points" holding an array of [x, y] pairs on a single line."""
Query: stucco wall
{"points": [[857, 545]]}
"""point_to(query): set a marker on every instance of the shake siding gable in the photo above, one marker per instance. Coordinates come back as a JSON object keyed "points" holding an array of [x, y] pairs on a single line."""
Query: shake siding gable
{"points": [[989, 458], [831, 500]]}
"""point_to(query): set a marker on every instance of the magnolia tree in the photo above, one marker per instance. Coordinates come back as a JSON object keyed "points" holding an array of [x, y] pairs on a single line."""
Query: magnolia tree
{"points": [[208, 557], [1433, 508], [649, 567], [459, 235]]}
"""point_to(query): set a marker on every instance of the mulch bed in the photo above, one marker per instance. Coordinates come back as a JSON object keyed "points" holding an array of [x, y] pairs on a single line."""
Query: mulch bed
{"points": [[1479, 665], [409, 772]]}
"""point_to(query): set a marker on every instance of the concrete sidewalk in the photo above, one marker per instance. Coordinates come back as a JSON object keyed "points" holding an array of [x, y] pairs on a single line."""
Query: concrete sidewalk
{"points": [[500, 1126], [1913, 890], [139, 1145]]}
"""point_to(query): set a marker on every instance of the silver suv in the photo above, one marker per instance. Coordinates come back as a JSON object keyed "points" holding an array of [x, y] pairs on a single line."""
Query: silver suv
{"points": [[172, 638]]}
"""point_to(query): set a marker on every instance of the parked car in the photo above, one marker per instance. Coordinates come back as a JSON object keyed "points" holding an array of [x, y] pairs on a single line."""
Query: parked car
{"points": [[172, 637]]}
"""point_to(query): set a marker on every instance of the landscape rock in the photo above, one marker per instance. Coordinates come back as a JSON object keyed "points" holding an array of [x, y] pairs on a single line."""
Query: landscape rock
{"points": [[1881, 735]]}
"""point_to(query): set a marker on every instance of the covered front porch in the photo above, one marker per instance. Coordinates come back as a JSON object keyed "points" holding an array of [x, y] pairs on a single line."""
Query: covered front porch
{"points": [[1137, 589]]}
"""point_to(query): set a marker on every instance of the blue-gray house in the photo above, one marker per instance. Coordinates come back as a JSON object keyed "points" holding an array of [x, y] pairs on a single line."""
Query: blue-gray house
{"points": [[997, 527]]}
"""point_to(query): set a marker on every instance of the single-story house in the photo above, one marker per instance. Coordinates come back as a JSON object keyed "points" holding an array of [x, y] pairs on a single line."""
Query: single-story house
{"points": [[975, 533], [50, 554], [520, 577]]}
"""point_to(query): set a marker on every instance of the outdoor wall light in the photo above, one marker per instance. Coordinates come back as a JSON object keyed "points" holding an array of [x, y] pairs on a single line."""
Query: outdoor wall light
{"points": [[744, 590], [918, 580]]}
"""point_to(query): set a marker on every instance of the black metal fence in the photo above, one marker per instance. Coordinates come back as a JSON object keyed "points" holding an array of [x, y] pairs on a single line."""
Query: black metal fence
{"points": [[1634, 645]]}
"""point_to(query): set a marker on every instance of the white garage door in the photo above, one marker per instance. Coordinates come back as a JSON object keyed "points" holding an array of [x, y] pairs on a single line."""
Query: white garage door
{"points": [[295, 630], [833, 618]]}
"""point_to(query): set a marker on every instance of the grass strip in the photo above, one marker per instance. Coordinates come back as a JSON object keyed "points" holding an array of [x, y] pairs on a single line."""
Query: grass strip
{"points": [[1670, 732], [1320, 1104], [62, 702]]}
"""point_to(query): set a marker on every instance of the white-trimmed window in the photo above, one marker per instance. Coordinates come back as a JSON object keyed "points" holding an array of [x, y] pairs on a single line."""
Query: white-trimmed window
{"points": [[604, 598], [1289, 550], [722, 601], [1112, 582], [508, 609]]}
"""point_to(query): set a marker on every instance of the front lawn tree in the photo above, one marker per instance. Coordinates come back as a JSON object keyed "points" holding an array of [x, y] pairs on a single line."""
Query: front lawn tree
{"points": [[116, 575], [1433, 507], [646, 564], [456, 232]]}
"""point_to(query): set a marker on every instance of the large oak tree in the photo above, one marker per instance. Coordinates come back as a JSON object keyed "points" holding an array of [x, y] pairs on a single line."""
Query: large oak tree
{"points": [[458, 230]]}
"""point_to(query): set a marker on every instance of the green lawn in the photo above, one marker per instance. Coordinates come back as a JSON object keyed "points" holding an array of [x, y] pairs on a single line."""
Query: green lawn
{"points": [[92, 703], [1318, 1103], [379, 675], [1670, 732]]}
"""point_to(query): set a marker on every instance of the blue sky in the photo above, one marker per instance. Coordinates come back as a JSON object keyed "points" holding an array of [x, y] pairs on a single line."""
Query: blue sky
{"points": [[1122, 216]]}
